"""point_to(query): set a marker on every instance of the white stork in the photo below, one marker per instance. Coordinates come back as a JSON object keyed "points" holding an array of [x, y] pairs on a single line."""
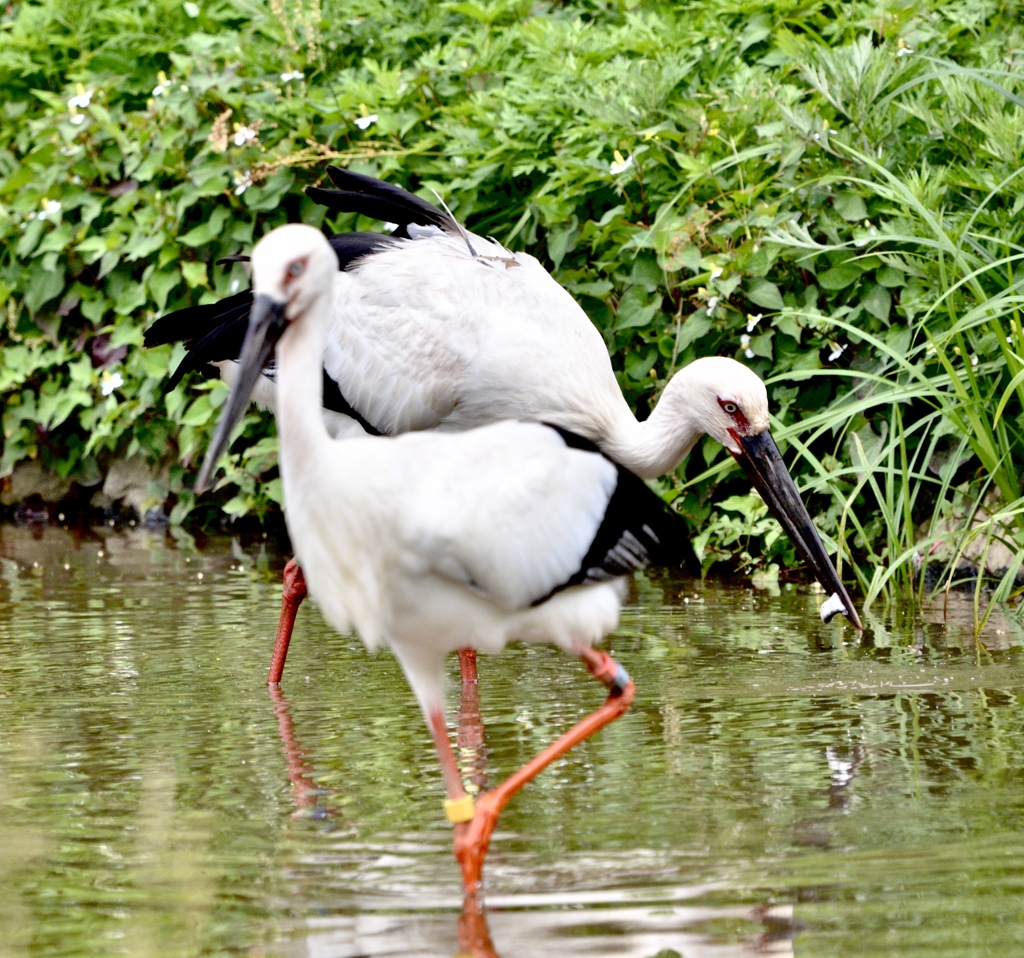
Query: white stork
{"points": [[434, 327], [431, 542]]}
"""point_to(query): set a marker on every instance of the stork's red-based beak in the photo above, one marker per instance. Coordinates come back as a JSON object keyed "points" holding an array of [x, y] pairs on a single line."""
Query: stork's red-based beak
{"points": [[762, 462], [266, 324]]}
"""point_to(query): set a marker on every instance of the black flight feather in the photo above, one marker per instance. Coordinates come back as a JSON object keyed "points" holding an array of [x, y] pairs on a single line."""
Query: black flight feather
{"points": [[214, 332], [378, 200], [638, 529]]}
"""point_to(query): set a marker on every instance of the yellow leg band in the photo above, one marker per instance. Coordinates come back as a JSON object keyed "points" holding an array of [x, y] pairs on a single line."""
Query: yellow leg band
{"points": [[459, 809]]}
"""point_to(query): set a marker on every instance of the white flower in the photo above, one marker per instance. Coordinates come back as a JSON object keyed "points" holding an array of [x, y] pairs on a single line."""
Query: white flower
{"points": [[110, 381], [716, 272], [292, 75], [50, 208], [619, 163], [752, 321], [77, 119], [244, 134], [974, 359], [242, 182], [365, 122], [712, 303], [76, 180], [81, 100], [160, 89], [745, 346], [837, 350]]}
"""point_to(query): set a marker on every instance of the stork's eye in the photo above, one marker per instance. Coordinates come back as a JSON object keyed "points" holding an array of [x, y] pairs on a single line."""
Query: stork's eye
{"points": [[296, 268], [729, 407]]}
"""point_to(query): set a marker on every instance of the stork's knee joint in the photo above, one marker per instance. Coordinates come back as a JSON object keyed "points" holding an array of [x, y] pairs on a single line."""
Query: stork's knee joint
{"points": [[610, 673]]}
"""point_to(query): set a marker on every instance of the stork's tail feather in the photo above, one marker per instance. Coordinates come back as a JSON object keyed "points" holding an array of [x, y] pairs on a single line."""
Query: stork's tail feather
{"points": [[371, 197]]}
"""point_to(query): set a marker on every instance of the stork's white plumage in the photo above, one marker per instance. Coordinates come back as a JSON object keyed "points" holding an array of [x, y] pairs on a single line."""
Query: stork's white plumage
{"points": [[431, 542], [434, 327]]}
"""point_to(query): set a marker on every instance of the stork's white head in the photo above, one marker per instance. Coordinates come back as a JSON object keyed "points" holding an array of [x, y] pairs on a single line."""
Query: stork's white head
{"points": [[291, 265], [722, 398], [292, 269], [728, 401]]}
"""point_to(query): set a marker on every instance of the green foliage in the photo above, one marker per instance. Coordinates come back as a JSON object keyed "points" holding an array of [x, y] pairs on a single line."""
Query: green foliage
{"points": [[830, 192]]}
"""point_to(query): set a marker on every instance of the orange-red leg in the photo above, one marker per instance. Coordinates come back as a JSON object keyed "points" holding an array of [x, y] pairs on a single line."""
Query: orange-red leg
{"points": [[467, 666], [292, 594], [469, 731], [473, 837]]}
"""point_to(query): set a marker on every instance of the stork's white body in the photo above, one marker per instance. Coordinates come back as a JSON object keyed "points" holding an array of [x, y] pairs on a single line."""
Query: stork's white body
{"points": [[433, 542], [433, 336], [427, 335]]}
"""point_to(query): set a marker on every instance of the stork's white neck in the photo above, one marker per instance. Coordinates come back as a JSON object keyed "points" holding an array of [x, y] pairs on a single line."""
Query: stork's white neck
{"points": [[301, 431], [656, 446]]}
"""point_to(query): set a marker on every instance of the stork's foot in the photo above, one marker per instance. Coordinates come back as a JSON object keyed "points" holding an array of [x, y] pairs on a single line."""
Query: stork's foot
{"points": [[473, 838]]}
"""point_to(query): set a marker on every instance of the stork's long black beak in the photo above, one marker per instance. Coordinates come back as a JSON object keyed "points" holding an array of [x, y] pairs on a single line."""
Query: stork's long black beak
{"points": [[266, 324], [762, 462]]}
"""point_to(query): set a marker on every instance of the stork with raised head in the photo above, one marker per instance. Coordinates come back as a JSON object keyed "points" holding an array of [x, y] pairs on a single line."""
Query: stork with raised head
{"points": [[435, 327], [431, 542]]}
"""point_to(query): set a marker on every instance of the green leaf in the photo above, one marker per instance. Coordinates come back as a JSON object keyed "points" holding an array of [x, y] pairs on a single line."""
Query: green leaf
{"points": [[206, 232], [877, 301], [160, 285], [889, 276], [44, 286], [839, 277], [851, 207], [757, 29], [636, 309], [195, 274], [695, 326], [765, 293]]}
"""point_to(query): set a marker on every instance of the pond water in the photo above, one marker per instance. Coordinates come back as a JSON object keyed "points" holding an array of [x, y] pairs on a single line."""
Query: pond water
{"points": [[780, 787]]}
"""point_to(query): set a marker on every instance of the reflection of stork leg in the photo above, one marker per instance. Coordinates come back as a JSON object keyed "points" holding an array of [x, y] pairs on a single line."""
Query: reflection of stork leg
{"points": [[292, 594], [474, 935], [305, 791], [469, 735], [475, 825]]}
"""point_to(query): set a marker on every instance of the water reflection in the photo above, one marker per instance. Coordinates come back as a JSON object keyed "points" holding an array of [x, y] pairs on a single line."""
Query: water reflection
{"points": [[779, 785], [623, 930], [306, 794]]}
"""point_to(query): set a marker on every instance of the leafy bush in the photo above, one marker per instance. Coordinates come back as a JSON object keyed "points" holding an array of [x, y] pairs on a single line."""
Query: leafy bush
{"points": [[829, 192]]}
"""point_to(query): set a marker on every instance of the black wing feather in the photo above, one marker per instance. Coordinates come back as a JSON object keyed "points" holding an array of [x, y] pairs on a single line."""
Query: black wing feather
{"points": [[214, 332], [638, 529], [371, 197]]}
